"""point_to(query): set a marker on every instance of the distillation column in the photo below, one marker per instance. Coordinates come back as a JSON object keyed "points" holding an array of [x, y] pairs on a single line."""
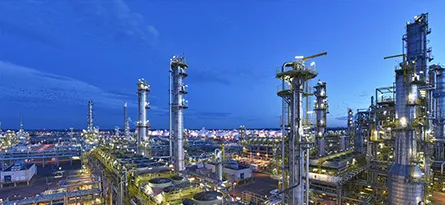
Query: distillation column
{"points": [[178, 67], [405, 177], [296, 77], [143, 105], [90, 116], [350, 142], [320, 111], [126, 123]]}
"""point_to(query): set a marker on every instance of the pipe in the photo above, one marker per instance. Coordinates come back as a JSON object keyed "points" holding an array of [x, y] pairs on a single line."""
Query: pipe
{"points": [[307, 174], [283, 113], [170, 113]]}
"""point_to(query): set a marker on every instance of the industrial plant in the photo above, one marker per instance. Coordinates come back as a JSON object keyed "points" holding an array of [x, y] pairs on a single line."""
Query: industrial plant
{"points": [[392, 152]]}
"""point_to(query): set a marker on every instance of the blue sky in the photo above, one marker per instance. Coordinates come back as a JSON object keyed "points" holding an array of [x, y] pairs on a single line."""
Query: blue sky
{"points": [[56, 55]]}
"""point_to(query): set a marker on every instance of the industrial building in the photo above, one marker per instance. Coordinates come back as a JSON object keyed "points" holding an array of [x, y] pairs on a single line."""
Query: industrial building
{"points": [[19, 172]]}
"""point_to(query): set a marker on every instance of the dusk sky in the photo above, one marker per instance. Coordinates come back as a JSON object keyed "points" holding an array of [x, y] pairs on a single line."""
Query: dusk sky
{"points": [[55, 55]]}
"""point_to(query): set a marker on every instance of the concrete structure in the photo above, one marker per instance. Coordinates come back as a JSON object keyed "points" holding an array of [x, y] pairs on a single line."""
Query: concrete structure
{"points": [[19, 172], [178, 72], [143, 105]]}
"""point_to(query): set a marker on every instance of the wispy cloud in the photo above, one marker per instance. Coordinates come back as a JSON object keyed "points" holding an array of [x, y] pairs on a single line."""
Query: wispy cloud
{"points": [[103, 22], [32, 87], [342, 118], [209, 76]]}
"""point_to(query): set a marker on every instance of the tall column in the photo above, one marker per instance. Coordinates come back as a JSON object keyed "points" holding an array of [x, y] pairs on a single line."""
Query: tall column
{"points": [[178, 67], [143, 105]]}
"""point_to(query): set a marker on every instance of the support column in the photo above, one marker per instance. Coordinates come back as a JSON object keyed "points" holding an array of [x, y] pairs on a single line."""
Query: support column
{"points": [[339, 195]]}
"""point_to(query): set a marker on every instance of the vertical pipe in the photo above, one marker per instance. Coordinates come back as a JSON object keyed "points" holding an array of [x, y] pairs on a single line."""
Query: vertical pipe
{"points": [[307, 176], [283, 125]]}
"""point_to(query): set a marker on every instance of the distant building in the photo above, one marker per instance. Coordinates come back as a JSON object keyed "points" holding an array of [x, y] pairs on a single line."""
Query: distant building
{"points": [[19, 172]]}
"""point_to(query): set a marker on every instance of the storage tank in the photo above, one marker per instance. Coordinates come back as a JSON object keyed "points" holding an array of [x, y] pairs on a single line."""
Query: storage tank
{"points": [[208, 198], [177, 179], [160, 182], [188, 202]]}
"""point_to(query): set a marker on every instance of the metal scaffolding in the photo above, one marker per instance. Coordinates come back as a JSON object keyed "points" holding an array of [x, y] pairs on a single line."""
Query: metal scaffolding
{"points": [[295, 74]]}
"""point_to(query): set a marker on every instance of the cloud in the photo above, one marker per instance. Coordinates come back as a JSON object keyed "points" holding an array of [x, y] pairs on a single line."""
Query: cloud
{"points": [[208, 76], [97, 22], [153, 31], [34, 88], [342, 118]]}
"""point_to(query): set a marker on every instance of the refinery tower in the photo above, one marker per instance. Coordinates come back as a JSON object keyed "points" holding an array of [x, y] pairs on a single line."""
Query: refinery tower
{"points": [[178, 68], [405, 178], [143, 105], [294, 75]]}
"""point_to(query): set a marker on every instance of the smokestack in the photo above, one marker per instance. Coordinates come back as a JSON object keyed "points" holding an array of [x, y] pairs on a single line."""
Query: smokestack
{"points": [[143, 105], [178, 66]]}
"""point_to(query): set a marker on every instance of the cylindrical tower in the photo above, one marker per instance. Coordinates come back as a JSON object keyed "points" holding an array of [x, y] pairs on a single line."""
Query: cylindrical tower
{"points": [[405, 177], [295, 73], [90, 116], [350, 141], [416, 44], [320, 108], [143, 105], [126, 123], [178, 67]]}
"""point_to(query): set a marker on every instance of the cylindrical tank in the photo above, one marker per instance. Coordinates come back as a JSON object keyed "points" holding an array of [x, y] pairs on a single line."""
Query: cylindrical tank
{"points": [[209, 198], [160, 182], [177, 179]]}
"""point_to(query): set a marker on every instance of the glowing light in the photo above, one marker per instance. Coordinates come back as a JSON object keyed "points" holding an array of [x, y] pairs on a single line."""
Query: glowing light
{"points": [[403, 122]]}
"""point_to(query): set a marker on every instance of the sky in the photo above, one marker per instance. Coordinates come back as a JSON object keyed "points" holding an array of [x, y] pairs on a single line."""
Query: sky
{"points": [[55, 55]]}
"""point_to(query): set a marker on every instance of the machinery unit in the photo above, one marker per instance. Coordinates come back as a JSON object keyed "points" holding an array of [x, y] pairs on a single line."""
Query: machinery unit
{"points": [[178, 72]]}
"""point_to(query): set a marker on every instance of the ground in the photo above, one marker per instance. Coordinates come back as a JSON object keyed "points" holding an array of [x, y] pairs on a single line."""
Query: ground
{"points": [[262, 185], [438, 198], [38, 183]]}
